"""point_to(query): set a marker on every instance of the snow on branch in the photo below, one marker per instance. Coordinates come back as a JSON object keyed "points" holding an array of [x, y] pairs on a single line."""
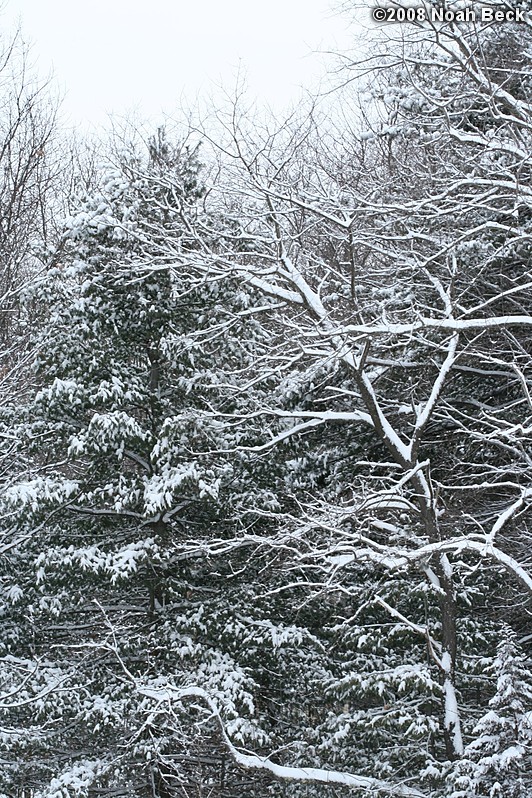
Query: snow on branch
{"points": [[394, 558], [428, 323], [509, 513], [169, 695]]}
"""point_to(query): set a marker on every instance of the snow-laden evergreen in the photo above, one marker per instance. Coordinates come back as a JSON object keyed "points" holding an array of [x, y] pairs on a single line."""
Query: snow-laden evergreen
{"points": [[121, 472], [497, 761]]}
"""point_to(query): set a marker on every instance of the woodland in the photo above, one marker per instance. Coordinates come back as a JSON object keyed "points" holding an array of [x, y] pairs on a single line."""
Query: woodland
{"points": [[266, 437]]}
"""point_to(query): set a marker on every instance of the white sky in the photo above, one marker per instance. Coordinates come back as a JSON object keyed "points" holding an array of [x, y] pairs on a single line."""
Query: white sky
{"points": [[149, 55]]}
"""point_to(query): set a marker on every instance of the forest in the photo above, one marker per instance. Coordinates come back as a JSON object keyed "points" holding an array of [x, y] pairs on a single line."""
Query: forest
{"points": [[266, 436]]}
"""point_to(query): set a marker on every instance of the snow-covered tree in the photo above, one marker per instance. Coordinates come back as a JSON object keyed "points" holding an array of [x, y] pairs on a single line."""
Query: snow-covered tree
{"points": [[398, 257], [497, 761], [30, 192], [279, 471], [119, 472]]}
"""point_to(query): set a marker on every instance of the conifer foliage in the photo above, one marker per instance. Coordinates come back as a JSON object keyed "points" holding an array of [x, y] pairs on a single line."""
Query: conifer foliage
{"points": [[496, 762], [116, 480]]}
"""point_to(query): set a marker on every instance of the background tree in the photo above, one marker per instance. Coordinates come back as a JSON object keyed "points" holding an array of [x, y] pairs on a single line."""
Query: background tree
{"points": [[494, 762], [30, 193]]}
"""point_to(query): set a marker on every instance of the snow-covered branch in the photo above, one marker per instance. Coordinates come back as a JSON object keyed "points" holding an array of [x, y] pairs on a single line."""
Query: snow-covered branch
{"points": [[167, 696]]}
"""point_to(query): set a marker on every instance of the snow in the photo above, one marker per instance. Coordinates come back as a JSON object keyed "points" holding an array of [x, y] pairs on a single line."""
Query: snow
{"points": [[308, 522], [39, 491], [403, 450], [452, 716], [170, 695], [510, 511], [510, 754], [341, 560], [430, 323], [446, 662], [75, 780], [446, 565]]}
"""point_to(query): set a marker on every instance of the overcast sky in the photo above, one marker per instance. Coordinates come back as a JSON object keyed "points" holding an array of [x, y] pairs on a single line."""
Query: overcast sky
{"points": [[152, 55]]}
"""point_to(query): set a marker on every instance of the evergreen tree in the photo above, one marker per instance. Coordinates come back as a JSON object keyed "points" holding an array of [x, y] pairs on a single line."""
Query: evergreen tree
{"points": [[121, 475], [497, 762]]}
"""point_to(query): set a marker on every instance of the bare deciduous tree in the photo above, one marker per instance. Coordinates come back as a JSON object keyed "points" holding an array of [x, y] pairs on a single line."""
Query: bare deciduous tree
{"points": [[399, 262]]}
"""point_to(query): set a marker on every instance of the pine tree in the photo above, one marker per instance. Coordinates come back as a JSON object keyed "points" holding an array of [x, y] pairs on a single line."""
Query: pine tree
{"points": [[497, 762], [121, 477]]}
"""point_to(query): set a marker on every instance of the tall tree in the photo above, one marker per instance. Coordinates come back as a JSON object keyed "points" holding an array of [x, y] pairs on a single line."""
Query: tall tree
{"points": [[120, 470], [404, 294], [30, 192]]}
